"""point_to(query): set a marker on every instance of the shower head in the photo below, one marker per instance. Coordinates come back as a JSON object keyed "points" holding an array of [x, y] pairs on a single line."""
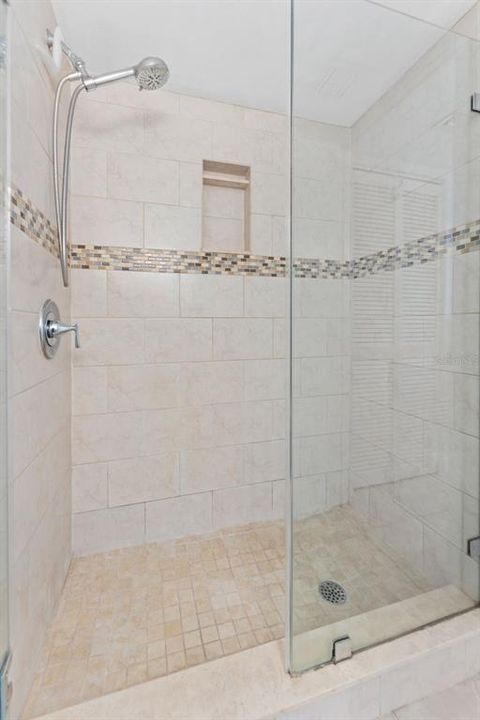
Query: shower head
{"points": [[151, 73]]}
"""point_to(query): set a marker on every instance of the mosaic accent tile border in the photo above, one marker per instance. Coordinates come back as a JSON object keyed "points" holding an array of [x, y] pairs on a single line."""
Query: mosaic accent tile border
{"points": [[459, 240], [175, 261], [25, 216], [30, 220]]}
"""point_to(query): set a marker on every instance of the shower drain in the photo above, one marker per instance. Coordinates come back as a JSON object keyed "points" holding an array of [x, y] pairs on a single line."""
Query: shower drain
{"points": [[332, 592]]}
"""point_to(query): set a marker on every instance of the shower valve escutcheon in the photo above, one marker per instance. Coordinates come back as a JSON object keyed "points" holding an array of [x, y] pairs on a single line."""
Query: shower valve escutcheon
{"points": [[51, 329]]}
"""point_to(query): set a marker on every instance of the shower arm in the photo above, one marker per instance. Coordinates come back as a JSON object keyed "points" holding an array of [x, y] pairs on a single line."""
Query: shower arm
{"points": [[61, 196]]}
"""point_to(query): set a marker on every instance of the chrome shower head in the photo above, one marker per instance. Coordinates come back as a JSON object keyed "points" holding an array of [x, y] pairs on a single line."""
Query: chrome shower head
{"points": [[151, 73]]}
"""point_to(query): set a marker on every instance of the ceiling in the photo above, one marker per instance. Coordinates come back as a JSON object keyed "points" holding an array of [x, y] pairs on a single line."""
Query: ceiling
{"points": [[347, 52]]}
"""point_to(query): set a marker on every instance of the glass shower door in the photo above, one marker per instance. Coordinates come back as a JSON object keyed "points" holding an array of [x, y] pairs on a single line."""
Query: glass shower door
{"points": [[385, 319], [4, 626]]}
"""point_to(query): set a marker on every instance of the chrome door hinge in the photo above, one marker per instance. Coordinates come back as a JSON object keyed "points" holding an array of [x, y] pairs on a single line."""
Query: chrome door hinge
{"points": [[473, 547], [475, 102], [342, 649]]}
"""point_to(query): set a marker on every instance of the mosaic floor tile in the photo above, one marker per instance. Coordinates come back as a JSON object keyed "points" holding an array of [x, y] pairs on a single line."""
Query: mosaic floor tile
{"points": [[135, 614]]}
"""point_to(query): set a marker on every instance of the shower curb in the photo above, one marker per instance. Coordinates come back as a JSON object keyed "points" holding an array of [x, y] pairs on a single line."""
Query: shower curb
{"points": [[252, 685]]}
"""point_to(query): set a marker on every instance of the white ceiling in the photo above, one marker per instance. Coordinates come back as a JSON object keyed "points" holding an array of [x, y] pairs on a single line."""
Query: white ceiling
{"points": [[347, 52]]}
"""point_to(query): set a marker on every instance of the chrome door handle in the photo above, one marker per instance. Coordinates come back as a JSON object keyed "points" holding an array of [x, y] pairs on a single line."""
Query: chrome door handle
{"points": [[51, 329]]}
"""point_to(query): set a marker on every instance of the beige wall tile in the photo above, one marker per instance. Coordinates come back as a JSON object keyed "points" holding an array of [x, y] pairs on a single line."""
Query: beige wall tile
{"points": [[164, 431], [110, 341], [101, 221], [280, 237], [211, 468], [258, 421], [89, 293], [142, 387], [103, 530], [34, 276], [89, 172], [210, 382], [466, 294], [265, 151], [261, 234], [97, 438], [30, 167], [142, 178], [191, 184], [242, 339], [233, 506], [266, 297], [39, 391], [172, 227], [268, 121], [37, 416], [321, 453], [213, 425], [142, 479], [35, 489], [211, 296], [89, 390], [324, 376], [108, 127], [269, 194], [265, 379], [179, 517], [265, 461], [177, 138], [89, 487], [182, 340], [142, 294]]}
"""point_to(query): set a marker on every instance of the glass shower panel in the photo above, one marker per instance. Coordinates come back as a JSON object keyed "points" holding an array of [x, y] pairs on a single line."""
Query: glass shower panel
{"points": [[4, 637], [385, 321]]}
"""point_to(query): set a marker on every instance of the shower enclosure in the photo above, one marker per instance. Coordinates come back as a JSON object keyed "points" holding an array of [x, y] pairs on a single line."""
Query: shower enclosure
{"points": [[385, 152], [273, 256]]}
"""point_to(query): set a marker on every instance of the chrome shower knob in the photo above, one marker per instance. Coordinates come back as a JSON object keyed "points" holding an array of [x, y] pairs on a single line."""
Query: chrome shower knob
{"points": [[51, 329]]}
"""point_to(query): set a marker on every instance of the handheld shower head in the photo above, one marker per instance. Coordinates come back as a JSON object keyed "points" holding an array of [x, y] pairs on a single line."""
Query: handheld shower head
{"points": [[150, 73]]}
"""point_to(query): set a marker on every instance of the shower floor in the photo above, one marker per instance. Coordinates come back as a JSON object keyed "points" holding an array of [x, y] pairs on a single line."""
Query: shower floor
{"points": [[131, 615]]}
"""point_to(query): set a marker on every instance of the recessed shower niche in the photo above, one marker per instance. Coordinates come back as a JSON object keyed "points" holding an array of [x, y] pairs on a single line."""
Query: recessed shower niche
{"points": [[225, 207]]}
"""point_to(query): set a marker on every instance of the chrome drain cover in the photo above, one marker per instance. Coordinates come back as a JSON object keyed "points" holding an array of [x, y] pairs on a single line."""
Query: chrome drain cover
{"points": [[332, 592]]}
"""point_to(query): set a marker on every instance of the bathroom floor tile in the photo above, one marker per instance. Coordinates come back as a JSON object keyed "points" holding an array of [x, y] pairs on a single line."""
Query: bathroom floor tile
{"points": [[139, 613]]}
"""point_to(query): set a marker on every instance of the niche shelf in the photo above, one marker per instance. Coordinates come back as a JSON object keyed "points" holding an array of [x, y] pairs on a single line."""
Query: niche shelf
{"points": [[225, 207]]}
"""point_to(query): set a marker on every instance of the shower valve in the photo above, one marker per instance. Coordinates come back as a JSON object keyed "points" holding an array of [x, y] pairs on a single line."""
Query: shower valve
{"points": [[51, 329]]}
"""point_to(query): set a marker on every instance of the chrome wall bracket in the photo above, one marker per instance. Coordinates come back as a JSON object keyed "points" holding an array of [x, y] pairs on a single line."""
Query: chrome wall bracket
{"points": [[342, 649], [51, 329]]}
